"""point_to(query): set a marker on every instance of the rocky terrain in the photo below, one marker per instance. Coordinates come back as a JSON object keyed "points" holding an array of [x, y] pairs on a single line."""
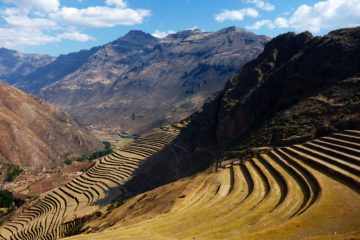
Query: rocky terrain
{"points": [[36, 134], [15, 66], [310, 83], [138, 81], [301, 87]]}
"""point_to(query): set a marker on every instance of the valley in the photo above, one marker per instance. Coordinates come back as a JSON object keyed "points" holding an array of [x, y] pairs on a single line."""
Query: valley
{"points": [[193, 134], [159, 81]]}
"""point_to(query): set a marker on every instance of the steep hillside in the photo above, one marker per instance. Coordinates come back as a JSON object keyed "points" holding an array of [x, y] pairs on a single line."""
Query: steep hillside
{"points": [[285, 193], [54, 71], [61, 211], [15, 65], [288, 193], [290, 94], [36, 134], [138, 81], [299, 85]]}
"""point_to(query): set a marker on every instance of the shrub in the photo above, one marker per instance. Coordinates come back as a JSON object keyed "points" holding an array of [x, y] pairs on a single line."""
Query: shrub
{"points": [[12, 171], [6, 199], [68, 162], [107, 150]]}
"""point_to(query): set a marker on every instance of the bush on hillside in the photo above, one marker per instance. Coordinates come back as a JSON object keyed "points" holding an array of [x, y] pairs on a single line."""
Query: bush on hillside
{"points": [[107, 150], [12, 171]]}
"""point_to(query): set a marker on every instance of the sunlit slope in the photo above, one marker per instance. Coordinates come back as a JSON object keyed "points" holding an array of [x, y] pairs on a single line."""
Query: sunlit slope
{"points": [[306, 191], [56, 213]]}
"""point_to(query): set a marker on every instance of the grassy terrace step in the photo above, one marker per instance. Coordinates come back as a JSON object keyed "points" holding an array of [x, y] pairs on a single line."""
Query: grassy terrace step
{"points": [[113, 177], [347, 137], [341, 163], [279, 178], [327, 168], [119, 154], [152, 145], [352, 132], [339, 147], [118, 162], [153, 141], [313, 189], [334, 153], [140, 150], [137, 153], [117, 170]]}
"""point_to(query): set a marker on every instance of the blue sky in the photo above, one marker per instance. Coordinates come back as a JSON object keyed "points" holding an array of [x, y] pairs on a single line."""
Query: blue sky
{"points": [[60, 26]]}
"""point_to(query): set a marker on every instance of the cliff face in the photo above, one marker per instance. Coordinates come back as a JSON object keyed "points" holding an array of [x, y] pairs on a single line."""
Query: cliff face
{"points": [[291, 69], [36, 134]]}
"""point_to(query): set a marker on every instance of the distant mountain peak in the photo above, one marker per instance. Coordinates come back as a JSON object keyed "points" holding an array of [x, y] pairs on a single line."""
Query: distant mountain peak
{"points": [[185, 33], [232, 29], [137, 35]]}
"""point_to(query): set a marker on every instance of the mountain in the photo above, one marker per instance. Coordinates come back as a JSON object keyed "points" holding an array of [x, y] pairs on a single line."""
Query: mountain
{"points": [[138, 81], [36, 134], [54, 71], [301, 87], [299, 98], [16, 65], [310, 83]]}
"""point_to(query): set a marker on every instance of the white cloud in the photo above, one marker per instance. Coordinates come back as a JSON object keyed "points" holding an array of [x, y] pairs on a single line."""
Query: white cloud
{"points": [[324, 15], [23, 21], [236, 15], [45, 5], [100, 17], [277, 23], [259, 24], [262, 5], [37, 22], [281, 22], [118, 3], [19, 37], [161, 34], [75, 36], [14, 38]]}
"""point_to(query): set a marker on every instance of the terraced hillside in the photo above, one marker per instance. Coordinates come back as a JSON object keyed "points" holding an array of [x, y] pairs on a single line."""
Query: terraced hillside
{"points": [[304, 191], [57, 213]]}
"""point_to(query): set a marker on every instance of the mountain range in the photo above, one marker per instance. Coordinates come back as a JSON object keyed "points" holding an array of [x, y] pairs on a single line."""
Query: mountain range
{"points": [[264, 158], [138, 81]]}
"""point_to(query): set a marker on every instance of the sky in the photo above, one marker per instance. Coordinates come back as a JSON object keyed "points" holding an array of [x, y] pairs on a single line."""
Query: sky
{"points": [[57, 27]]}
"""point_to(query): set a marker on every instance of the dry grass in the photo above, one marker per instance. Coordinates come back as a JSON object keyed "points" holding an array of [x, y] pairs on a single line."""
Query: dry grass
{"points": [[307, 191], [288, 193]]}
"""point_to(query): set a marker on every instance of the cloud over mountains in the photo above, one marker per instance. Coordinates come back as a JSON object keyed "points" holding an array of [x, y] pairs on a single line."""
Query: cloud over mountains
{"points": [[35, 22]]}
